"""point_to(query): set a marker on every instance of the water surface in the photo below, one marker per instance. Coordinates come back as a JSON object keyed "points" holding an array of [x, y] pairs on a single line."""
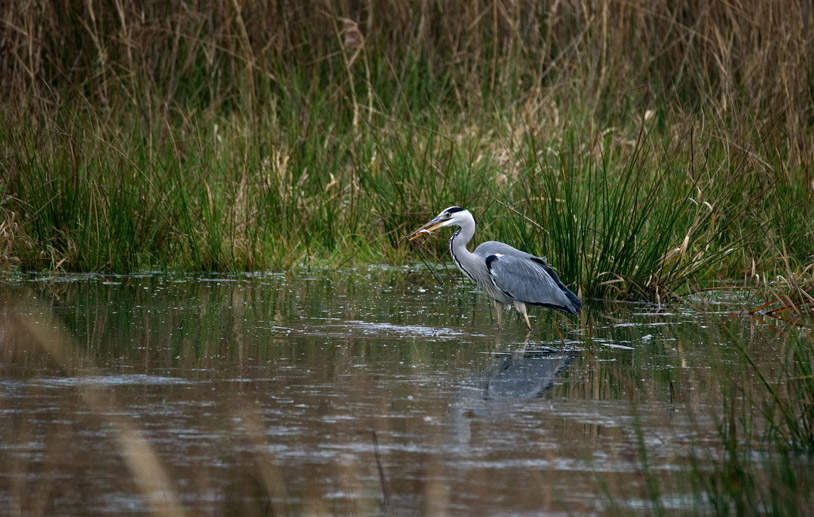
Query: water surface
{"points": [[366, 392]]}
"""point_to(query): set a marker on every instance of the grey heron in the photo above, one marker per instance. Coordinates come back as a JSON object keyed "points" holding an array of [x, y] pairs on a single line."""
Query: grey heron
{"points": [[511, 277]]}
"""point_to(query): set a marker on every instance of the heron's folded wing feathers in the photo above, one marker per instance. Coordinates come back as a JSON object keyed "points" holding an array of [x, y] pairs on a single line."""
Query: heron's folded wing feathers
{"points": [[530, 280]]}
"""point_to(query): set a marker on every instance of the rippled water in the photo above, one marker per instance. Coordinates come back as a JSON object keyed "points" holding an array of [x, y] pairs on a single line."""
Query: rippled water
{"points": [[367, 392]]}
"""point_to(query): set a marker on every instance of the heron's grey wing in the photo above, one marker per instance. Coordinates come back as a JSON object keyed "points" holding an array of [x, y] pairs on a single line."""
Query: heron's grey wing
{"points": [[530, 280], [573, 298]]}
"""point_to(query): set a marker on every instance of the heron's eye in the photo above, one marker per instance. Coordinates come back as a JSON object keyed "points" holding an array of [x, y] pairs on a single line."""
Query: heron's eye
{"points": [[446, 215]]}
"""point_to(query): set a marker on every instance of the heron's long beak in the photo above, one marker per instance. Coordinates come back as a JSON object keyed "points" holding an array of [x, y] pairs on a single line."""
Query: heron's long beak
{"points": [[426, 229]]}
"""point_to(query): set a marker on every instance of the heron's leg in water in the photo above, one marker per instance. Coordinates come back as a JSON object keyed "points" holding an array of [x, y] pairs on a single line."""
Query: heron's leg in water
{"points": [[521, 308], [499, 309]]}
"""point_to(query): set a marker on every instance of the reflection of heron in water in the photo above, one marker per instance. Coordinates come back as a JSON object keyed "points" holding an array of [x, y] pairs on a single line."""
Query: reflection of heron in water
{"points": [[525, 375], [509, 378]]}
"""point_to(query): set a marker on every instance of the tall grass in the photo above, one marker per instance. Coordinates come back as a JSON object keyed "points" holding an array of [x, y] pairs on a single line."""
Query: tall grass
{"points": [[637, 215], [765, 430], [650, 146], [748, 395], [789, 405]]}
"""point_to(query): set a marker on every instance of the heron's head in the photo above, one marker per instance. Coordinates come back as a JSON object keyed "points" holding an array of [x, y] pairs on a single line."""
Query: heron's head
{"points": [[453, 215]]}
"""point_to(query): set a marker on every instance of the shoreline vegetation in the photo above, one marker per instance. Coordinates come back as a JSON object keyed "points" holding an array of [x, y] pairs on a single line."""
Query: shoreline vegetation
{"points": [[642, 148]]}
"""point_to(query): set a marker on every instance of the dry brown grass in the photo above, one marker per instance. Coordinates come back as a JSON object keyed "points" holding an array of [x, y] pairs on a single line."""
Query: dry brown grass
{"points": [[742, 58]]}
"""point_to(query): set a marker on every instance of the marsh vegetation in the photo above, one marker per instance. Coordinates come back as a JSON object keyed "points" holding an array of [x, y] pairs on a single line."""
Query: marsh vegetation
{"points": [[642, 148]]}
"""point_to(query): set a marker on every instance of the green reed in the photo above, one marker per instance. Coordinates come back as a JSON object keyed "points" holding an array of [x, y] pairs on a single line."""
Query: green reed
{"points": [[757, 459], [765, 466]]}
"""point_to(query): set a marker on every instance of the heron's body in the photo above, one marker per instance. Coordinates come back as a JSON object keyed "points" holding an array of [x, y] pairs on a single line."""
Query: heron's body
{"points": [[510, 276]]}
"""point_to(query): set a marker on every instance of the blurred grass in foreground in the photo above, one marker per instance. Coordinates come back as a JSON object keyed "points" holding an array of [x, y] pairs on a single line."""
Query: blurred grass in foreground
{"points": [[760, 461], [642, 148]]}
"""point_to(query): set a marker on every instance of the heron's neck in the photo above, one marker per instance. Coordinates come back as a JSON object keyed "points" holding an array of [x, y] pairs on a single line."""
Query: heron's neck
{"points": [[457, 247]]}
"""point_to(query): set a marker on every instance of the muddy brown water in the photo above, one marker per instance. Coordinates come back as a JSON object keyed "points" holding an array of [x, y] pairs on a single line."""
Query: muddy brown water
{"points": [[367, 392]]}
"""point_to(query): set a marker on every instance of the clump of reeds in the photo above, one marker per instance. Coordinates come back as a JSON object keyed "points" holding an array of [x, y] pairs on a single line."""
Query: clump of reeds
{"points": [[789, 407], [777, 477], [759, 386]]}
